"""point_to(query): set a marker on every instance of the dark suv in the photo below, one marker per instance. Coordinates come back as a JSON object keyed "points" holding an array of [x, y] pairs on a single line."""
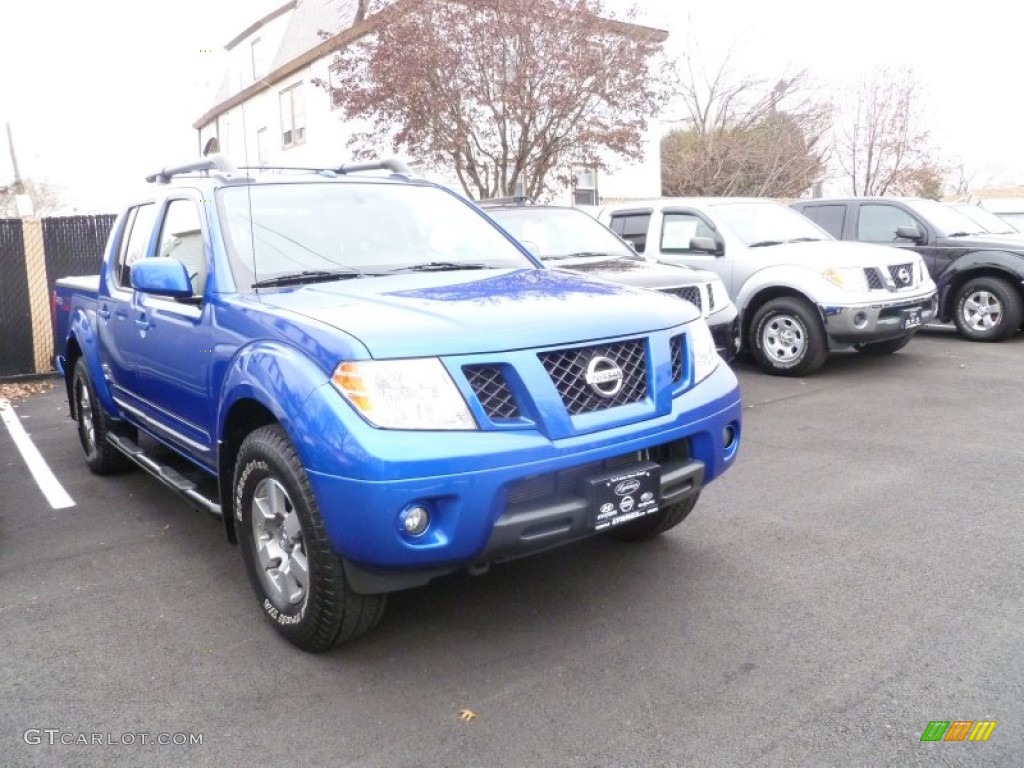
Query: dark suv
{"points": [[979, 275], [569, 239]]}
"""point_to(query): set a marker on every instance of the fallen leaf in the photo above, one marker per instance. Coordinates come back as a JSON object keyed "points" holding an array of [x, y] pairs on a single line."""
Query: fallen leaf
{"points": [[465, 715]]}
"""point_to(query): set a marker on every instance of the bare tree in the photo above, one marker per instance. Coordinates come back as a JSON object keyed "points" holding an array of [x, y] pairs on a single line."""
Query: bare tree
{"points": [[46, 199], [962, 181], [744, 135], [881, 143], [504, 92]]}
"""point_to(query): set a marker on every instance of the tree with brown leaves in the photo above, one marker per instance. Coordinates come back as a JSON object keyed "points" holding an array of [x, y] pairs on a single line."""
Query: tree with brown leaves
{"points": [[505, 93]]}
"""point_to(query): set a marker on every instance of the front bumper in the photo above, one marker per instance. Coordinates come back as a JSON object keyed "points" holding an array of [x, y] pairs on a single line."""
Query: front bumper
{"points": [[486, 511], [862, 322], [725, 330]]}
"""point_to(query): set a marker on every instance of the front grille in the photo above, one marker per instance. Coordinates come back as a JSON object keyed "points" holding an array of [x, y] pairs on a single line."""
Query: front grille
{"points": [[491, 388], [897, 279], [690, 293], [554, 485], [568, 371], [874, 281], [676, 347]]}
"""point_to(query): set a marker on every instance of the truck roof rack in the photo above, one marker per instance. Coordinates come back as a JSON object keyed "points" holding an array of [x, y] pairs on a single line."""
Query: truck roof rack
{"points": [[213, 162], [391, 164]]}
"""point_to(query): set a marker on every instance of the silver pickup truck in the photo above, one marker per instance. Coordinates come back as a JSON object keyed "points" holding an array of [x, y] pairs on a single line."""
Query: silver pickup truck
{"points": [[800, 293]]}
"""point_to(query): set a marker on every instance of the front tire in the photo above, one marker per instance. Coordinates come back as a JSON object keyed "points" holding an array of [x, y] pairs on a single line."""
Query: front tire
{"points": [[884, 347], [654, 525], [94, 425], [988, 309], [299, 579], [788, 338]]}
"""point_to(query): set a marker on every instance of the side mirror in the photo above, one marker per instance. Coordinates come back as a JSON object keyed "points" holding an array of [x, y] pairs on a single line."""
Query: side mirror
{"points": [[162, 277], [704, 245], [909, 233]]}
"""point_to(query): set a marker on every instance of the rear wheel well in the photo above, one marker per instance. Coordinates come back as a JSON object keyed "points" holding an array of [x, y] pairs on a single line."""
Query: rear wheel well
{"points": [[761, 298], [244, 417], [958, 282], [71, 355]]}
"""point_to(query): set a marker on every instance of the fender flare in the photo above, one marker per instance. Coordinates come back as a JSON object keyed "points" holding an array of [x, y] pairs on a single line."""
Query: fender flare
{"points": [[1008, 263], [80, 329]]}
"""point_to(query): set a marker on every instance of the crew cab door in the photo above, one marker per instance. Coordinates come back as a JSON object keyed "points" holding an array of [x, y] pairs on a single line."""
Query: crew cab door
{"points": [[674, 232], [119, 338], [174, 345]]}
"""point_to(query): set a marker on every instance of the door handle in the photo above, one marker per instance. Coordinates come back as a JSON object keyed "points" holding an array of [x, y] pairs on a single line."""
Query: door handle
{"points": [[103, 312], [142, 323]]}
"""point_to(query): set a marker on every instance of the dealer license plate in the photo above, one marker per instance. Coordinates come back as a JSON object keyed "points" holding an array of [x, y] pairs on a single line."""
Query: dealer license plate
{"points": [[912, 319], [622, 495]]}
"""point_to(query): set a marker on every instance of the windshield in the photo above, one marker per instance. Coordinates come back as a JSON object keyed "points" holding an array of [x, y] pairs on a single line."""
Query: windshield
{"points": [[561, 232], [768, 223], [946, 220], [986, 220], [369, 228]]}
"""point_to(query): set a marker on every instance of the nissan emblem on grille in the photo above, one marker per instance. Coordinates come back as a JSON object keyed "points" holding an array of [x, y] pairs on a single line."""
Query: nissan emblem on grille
{"points": [[604, 376], [904, 275]]}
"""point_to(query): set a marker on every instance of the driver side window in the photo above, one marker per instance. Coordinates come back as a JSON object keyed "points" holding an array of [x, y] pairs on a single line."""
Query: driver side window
{"points": [[678, 229], [181, 238], [878, 223]]}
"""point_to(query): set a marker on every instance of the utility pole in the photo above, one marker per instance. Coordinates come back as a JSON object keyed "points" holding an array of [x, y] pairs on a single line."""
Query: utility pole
{"points": [[19, 187]]}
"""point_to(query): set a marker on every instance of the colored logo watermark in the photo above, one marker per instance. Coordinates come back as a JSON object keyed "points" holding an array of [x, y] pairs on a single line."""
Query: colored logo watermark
{"points": [[958, 730]]}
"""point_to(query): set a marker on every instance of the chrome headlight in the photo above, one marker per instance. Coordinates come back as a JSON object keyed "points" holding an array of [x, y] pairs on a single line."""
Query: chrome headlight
{"points": [[847, 278], [705, 356], [404, 394], [718, 295]]}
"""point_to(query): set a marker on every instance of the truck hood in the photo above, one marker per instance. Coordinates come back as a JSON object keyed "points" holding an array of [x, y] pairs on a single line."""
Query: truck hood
{"points": [[988, 242], [637, 272], [467, 312], [836, 253]]}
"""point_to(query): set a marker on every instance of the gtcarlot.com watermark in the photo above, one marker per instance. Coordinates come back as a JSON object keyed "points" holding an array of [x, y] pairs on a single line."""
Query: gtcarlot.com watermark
{"points": [[55, 736]]}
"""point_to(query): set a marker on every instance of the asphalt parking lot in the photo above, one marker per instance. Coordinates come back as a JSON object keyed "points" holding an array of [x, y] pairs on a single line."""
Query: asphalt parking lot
{"points": [[854, 577]]}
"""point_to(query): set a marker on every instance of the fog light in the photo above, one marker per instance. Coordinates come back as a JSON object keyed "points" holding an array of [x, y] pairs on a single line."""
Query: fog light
{"points": [[860, 319], [728, 437], [415, 520]]}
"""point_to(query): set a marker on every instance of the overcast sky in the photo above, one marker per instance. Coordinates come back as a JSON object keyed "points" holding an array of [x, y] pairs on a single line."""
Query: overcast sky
{"points": [[101, 93]]}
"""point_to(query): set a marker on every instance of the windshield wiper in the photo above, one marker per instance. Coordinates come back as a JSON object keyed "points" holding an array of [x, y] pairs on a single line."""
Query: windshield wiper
{"points": [[963, 234], [763, 243], [805, 240], [307, 276], [439, 266], [582, 255]]}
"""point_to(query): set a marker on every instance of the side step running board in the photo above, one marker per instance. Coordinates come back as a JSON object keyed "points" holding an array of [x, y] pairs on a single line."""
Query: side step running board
{"points": [[166, 475]]}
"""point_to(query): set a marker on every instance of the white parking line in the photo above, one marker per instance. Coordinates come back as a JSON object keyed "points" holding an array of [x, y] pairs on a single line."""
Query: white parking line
{"points": [[45, 479]]}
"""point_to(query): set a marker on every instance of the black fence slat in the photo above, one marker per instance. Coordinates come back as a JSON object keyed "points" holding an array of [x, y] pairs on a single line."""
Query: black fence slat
{"points": [[16, 347]]}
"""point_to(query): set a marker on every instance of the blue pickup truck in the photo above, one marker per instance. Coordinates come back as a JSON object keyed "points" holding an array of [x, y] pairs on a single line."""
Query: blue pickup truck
{"points": [[374, 384]]}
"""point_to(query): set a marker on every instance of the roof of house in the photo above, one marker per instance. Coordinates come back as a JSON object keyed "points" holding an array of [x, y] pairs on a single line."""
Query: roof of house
{"points": [[302, 44]]}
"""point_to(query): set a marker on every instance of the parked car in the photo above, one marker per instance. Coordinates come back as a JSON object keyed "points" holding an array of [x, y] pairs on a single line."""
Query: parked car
{"points": [[989, 223], [979, 276], [800, 294], [374, 385], [569, 239]]}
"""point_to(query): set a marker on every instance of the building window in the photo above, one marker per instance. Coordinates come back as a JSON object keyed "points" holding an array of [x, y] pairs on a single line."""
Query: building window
{"points": [[256, 49], [585, 185], [332, 82], [293, 117], [261, 147]]}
